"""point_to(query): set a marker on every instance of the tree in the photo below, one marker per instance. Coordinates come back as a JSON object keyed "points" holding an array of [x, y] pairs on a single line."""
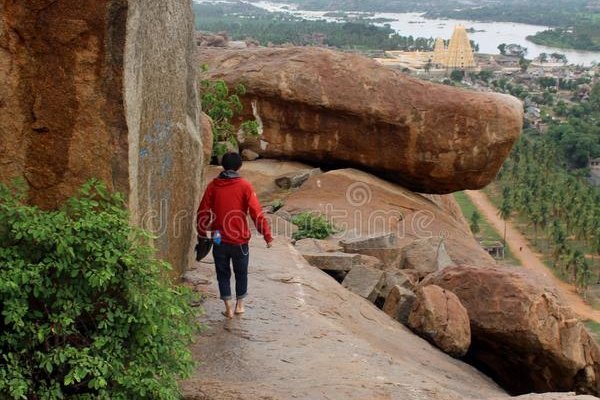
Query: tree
{"points": [[502, 48], [485, 75], [222, 106], [524, 64], [543, 57], [506, 208], [428, 66], [475, 220], [457, 75]]}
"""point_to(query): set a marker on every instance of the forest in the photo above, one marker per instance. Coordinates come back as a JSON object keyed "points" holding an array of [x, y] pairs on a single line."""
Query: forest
{"points": [[241, 21], [583, 35]]}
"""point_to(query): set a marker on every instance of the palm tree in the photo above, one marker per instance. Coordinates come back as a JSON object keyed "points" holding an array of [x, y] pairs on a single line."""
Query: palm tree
{"points": [[505, 208]]}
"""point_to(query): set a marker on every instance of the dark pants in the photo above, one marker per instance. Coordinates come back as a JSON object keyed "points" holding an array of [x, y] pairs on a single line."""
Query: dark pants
{"points": [[238, 255]]}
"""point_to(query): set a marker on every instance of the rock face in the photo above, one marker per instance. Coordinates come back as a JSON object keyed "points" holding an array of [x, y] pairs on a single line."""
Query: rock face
{"points": [[438, 315], [521, 334], [326, 107], [86, 94], [371, 208]]}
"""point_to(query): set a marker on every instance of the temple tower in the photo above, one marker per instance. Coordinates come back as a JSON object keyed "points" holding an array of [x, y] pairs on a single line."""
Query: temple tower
{"points": [[460, 53], [439, 52]]}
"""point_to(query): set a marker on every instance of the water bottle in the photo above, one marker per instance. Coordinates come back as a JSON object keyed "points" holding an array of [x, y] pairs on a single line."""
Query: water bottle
{"points": [[217, 238]]}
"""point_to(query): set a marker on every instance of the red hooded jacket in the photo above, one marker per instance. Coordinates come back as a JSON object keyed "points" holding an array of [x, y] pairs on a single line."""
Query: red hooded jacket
{"points": [[224, 207]]}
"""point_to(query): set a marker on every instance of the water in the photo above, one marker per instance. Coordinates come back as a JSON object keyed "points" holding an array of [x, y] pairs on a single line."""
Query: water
{"points": [[489, 35]]}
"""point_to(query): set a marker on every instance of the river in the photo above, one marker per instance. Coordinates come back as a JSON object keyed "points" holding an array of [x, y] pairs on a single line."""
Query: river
{"points": [[488, 34]]}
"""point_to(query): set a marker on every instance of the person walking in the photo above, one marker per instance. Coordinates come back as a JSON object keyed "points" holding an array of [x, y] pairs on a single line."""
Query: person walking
{"points": [[223, 211]]}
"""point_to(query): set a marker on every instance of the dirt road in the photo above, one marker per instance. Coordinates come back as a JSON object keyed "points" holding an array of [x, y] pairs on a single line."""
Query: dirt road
{"points": [[531, 259]]}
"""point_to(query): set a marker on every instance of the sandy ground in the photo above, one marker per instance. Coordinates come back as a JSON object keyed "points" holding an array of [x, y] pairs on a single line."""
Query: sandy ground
{"points": [[530, 259]]}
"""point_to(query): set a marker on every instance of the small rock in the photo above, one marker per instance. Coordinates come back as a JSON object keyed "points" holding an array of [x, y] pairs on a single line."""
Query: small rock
{"points": [[392, 278], [249, 155], [382, 246], [310, 245], [364, 281], [335, 261], [426, 256], [399, 303], [439, 316], [296, 179]]}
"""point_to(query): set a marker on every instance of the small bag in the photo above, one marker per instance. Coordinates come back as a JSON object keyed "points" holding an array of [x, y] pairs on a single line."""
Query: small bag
{"points": [[203, 248]]}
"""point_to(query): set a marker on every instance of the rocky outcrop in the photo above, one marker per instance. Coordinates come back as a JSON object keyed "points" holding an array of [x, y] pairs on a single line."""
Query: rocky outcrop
{"points": [[520, 332], [438, 315], [365, 207], [86, 94], [340, 109], [426, 256]]}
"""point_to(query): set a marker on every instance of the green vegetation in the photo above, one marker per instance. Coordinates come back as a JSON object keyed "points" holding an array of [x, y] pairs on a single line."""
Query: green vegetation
{"points": [[311, 225], [486, 233], [87, 312], [558, 210], [593, 328], [577, 22], [277, 28], [584, 34], [222, 106]]}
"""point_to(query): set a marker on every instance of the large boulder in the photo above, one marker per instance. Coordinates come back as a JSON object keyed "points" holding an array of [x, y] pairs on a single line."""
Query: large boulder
{"points": [[438, 315], [365, 208], [340, 109], [105, 89], [521, 334]]}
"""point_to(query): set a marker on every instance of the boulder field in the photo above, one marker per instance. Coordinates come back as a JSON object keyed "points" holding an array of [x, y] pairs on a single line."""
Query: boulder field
{"points": [[87, 94], [406, 253], [344, 110]]}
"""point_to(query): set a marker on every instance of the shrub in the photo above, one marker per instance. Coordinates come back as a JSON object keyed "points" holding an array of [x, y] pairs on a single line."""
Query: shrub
{"points": [[222, 106], [86, 309], [312, 225]]}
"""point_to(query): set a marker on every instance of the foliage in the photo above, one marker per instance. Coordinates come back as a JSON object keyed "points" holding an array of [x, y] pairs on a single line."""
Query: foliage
{"points": [[457, 75], [222, 106], [311, 225], [583, 35], [475, 221], [280, 28], [87, 312], [559, 204]]}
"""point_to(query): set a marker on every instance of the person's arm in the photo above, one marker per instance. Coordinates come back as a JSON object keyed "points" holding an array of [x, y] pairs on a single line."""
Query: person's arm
{"points": [[255, 210], [204, 214]]}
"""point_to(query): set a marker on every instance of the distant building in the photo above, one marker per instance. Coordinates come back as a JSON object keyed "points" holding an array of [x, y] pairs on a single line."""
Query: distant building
{"points": [[439, 52], [494, 249], [595, 171], [458, 55]]}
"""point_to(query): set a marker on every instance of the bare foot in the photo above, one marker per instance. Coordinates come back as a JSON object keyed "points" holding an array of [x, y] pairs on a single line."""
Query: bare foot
{"points": [[227, 314], [239, 308]]}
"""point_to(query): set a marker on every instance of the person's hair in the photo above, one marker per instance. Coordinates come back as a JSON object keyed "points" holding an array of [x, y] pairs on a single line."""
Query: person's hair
{"points": [[232, 162]]}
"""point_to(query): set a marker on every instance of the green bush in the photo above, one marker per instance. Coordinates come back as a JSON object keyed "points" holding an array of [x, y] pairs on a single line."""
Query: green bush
{"points": [[312, 225], [86, 310], [222, 107]]}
